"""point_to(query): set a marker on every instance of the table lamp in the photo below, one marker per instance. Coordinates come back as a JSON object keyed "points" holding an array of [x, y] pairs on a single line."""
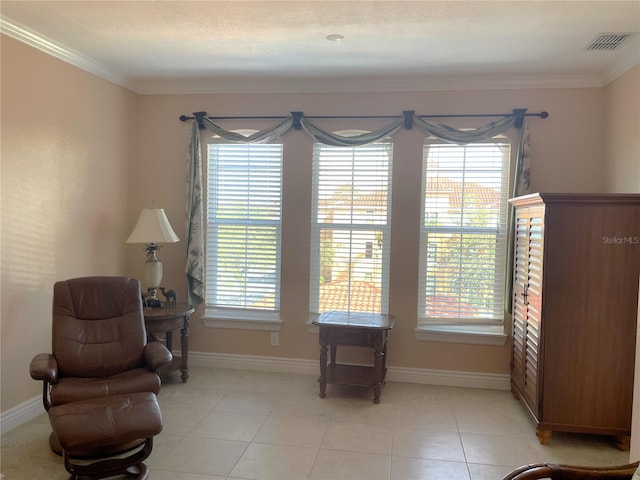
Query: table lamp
{"points": [[153, 228]]}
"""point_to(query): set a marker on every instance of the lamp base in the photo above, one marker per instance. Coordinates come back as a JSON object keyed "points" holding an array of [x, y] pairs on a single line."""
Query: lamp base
{"points": [[153, 276]]}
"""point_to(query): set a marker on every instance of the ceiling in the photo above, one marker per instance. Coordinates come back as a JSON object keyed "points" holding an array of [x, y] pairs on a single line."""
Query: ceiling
{"points": [[273, 46]]}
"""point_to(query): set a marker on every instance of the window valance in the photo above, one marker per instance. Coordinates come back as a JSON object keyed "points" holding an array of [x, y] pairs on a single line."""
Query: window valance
{"points": [[408, 119]]}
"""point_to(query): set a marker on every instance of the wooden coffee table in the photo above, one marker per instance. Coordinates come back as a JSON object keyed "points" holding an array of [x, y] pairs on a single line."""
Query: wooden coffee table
{"points": [[358, 329]]}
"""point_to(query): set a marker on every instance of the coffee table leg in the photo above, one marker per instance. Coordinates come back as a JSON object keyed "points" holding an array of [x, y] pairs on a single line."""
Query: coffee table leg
{"points": [[184, 347], [323, 370], [378, 367], [377, 387]]}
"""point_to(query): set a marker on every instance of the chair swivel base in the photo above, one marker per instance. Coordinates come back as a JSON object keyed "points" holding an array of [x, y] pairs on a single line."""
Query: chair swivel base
{"points": [[56, 448], [130, 466]]}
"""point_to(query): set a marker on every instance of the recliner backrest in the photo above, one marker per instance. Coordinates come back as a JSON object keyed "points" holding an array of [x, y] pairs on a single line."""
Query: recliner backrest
{"points": [[98, 326]]}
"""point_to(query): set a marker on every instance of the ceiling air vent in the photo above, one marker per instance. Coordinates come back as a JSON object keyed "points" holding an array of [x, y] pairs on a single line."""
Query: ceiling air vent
{"points": [[608, 41]]}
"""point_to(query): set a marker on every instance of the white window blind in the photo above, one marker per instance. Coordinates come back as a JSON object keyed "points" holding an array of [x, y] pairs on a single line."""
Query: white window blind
{"points": [[243, 226], [350, 232], [463, 238]]}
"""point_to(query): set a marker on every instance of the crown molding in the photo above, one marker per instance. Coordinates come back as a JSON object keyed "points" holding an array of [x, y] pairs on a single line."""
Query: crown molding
{"points": [[280, 85], [23, 34]]}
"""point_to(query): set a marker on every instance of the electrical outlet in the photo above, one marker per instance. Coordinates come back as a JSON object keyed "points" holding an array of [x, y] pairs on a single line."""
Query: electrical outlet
{"points": [[275, 339]]}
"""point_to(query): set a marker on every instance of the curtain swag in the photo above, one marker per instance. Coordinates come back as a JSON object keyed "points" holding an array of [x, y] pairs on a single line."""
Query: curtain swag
{"points": [[454, 135], [336, 140], [194, 265], [263, 136]]}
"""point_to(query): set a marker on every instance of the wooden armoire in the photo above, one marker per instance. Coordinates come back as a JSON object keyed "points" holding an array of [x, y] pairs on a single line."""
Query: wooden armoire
{"points": [[575, 304]]}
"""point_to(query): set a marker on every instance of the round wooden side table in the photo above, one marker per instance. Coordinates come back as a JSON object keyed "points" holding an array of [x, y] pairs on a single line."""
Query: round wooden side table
{"points": [[164, 321]]}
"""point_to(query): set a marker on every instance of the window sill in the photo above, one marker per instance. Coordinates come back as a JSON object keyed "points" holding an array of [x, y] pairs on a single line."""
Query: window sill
{"points": [[466, 334], [241, 319]]}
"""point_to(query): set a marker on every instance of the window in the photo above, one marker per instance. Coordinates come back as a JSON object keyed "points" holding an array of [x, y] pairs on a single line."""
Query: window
{"points": [[350, 229], [463, 236], [243, 229]]}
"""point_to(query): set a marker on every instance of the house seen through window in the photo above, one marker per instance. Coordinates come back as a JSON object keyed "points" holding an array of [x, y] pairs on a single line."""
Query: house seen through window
{"points": [[350, 229]]}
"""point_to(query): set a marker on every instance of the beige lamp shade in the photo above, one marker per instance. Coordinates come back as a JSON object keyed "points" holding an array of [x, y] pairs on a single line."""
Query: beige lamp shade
{"points": [[153, 227]]}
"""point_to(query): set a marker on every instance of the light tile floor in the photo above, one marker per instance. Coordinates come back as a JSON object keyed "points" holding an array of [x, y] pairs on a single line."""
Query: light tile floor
{"points": [[236, 424]]}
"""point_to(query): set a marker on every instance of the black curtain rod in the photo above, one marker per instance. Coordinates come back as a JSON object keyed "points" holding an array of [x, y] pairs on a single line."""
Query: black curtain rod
{"points": [[184, 118], [519, 113]]}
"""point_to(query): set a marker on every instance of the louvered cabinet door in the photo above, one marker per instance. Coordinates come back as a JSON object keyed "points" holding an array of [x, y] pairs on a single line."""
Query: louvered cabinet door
{"points": [[519, 308], [533, 301], [527, 303]]}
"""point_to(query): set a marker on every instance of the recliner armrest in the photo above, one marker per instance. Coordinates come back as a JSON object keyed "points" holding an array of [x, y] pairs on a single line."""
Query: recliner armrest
{"points": [[44, 366], [157, 355]]}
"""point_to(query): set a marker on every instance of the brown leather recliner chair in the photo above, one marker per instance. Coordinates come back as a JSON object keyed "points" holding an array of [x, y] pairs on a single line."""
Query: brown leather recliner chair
{"points": [[99, 343], [556, 471]]}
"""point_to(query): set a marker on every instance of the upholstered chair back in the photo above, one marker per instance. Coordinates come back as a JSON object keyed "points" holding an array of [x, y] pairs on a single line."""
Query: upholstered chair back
{"points": [[98, 326]]}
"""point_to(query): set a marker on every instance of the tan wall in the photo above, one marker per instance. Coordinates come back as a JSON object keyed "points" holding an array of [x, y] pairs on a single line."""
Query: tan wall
{"points": [[567, 150], [622, 158], [74, 181], [65, 156]]}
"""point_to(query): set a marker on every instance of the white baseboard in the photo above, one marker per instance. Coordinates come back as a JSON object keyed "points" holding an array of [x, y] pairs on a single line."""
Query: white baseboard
{"points": [[310, 367], [252, 362], [449, 378], [20, 414]]}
